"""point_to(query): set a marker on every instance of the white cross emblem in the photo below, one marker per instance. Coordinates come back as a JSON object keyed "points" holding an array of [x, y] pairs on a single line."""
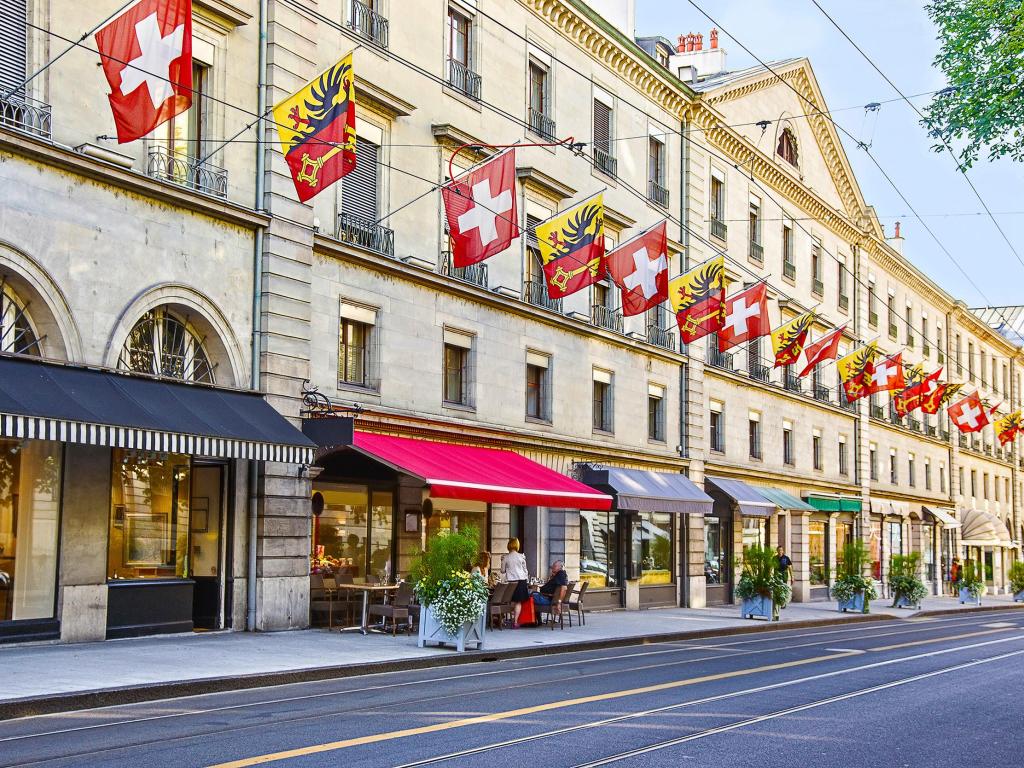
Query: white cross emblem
{"points": [[645, 276], [882, 373], [739, 313], [968, 416], [484, 211], [153, 66]]}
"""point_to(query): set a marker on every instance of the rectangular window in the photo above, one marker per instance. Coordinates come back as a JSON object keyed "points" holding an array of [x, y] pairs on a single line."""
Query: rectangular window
{"points": [[355, 529], [599, 548], [958, 350], [873, 461], [717, 202], [458, 37], [14, 44], [872, 305], [716, 551], [816, 530], [458, 359], [844, 457], [538, 387], [656, 413], [360, 189], [652, 544], [910, 328], [604, 155], [716, 428], [788, 458], [603, 401], [353, 352], [185, 135], [539, 106], [754, 428], [891, 312], [942, 478], [927, 474], [657, 190], [787, 250], [995, 487], [30, 503], [970, 360], [926, 348], [984, 487], [149, 518], [911, 474], [816, 449], [894, 477], [895, 538], [754, 231], [844, 297], [816, 261], [974, 483]]}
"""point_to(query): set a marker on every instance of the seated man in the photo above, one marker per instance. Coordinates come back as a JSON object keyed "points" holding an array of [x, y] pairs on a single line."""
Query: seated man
{"points": [[558, 579]]}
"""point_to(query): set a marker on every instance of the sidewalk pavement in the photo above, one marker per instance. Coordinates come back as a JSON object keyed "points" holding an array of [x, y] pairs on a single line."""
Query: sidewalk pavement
{"points": [[172, 665]]}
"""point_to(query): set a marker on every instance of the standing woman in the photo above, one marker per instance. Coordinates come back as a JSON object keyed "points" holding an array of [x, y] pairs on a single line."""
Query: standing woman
{"points": [[513, 570]]}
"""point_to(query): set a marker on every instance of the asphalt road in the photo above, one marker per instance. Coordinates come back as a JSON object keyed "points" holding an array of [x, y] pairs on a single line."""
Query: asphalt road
{"points": [[932, 692]]}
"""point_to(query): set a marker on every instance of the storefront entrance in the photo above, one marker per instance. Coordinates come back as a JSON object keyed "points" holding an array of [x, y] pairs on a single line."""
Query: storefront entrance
{"points": [[717, 556]]}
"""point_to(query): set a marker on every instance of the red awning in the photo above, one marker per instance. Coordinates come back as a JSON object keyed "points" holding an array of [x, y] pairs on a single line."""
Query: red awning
{"points": [[480, 474]]}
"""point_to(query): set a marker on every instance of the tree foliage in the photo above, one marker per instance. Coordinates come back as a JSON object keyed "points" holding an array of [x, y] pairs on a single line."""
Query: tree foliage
{"points": [[982, 56]]}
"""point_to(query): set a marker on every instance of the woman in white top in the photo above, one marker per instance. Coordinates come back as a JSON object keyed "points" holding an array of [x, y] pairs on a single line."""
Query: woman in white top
{"points": [[513, 570]]}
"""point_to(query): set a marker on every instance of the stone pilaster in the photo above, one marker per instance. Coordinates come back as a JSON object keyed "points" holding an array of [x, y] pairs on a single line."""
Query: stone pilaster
{"points": [[564, 540], [799, 553], [695, 588], [831, 547]]}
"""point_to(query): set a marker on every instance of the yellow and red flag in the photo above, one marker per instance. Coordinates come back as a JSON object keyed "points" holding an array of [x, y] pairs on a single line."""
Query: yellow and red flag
{"points": [[1008, 426], [789, 338], [572, 248], [317, 127], [939, 397], [856, 369], [698, 299], [921, 388]]}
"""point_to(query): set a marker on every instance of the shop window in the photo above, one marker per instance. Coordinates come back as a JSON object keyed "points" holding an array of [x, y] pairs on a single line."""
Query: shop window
{"points": [[149, 516], [652, 547], [715, 552], [16, 334], [353, 533], [598, 549], [163, 344], [30, 495], [844, 536], [451, 516], [816, 530], [875, 548], [755, 532], [895, 539]]}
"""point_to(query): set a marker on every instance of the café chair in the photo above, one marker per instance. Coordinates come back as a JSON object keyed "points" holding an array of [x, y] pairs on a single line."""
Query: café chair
{"points": [[575, 602], [397, 609], [552, 613], [500, 604]]}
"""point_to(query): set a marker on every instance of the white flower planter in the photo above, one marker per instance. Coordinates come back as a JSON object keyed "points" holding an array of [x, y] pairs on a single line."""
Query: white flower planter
{"points": [[757, 607], [432, 633], [1018, 597], [967, 597]]}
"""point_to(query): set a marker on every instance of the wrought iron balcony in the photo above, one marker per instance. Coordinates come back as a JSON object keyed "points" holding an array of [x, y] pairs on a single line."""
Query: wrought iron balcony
{"points": [[789, 270], [463, 79], [366, 233], [657, 194], [962, 440], [931, 430], [605, 162], [817, 287], [822, 393], [187, 171], [719, 229], [844, 301], [660, 337], [873, 319], [895, 419], [944, 435], [877, 412], [369, 23], [791, 382], [914, 425], [845, 404], [25, 115], [717, 359], [756, 252], [986, 448], [474, 273], [759, 371], [541, 124], [536, 292], [606, 317]]}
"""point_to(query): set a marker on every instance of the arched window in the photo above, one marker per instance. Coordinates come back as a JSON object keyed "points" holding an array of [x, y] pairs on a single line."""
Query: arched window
{"points": [[165, 345], [787, 147], [16, 333]]}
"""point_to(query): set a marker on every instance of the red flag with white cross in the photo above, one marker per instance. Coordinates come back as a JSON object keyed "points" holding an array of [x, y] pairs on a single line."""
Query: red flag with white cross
{"points": [[146, 54], [746, 317], [481, 210], [887, 375], [968, 414], [640, 268]]}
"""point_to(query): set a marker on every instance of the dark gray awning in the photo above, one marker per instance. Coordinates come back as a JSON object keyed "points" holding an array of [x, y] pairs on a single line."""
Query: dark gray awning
{"points": [[71, 404], [638, 490], [747, 499]]}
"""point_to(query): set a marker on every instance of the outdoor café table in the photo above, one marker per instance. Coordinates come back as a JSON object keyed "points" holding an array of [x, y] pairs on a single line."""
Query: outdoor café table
{"points": [[366, 589]]}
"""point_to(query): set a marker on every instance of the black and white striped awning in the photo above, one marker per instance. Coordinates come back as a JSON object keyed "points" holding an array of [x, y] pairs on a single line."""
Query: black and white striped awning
{"points": [[48, 401]]}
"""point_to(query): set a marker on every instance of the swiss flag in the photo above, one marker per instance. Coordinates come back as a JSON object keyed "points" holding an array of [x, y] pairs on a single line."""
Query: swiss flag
{"points": [[640, 268], [968, 413], [825, 348], [481, 210], [887, 375], [746, 317], [146, 54]]}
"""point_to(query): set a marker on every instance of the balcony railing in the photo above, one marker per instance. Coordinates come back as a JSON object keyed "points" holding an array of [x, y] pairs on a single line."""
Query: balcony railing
{"points": [[187, 171], [657, 194], [536, 292], [369, 23], [844, 301], [759, 371], [541, 124], [817, 287], [719, 359], [719, 229], [757, 252], [931, 430], [606, 317], [464, 79], [366, 233], [944, 435], [914, 425], [660, 337], [962, 440], [791, 382], [474, 273], [26, 115], [605, 162], [895, 419], [845, 404], [822, 393], [789, 270]]}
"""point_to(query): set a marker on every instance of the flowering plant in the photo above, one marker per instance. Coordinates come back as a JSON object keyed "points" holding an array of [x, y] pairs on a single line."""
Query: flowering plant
{"points": [[761, 577], [456, 600], [971, 578], [903, 580], [851, 580], [321, 563]]}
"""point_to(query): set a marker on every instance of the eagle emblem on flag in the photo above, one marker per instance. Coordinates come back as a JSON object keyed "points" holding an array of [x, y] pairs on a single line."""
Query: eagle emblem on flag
{"points": [[698, 299], [572, 248], [789, 338]]}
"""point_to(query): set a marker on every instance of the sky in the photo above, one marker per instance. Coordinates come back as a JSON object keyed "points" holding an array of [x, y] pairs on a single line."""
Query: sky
{"points": [[901, 39]]}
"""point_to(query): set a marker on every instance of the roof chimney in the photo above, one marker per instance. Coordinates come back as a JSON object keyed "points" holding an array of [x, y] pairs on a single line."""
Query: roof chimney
{"points": [[692, 58], [896, 241], [714, 39]]}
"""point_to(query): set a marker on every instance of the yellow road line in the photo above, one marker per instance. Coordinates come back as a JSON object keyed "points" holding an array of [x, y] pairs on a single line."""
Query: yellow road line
{"points": [[375, 738], [939, 639]]}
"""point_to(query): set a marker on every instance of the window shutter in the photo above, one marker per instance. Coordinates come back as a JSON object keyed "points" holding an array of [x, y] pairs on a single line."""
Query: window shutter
{"points": [[531, 230], [359, 193], [13, 44], [602, 126]]}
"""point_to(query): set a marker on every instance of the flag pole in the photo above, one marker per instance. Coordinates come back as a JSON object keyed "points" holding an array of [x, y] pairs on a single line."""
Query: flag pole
{"points": [[67, 50]]}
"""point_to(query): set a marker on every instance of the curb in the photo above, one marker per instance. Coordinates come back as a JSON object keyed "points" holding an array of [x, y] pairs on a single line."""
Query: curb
{"points": [[109, 697], [137, 694]]}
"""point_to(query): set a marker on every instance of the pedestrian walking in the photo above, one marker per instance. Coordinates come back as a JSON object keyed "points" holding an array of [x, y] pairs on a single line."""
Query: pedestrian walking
{"points": [[785, 565], [954, 575]]}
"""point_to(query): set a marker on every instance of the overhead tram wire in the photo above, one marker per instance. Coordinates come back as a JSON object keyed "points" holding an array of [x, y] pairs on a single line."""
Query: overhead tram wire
{"points": [[858, 143], [920, 114]]}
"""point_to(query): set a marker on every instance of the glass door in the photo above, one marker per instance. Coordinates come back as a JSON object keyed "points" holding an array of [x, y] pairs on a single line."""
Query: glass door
{"points": [[717, 573], [205, 525]]}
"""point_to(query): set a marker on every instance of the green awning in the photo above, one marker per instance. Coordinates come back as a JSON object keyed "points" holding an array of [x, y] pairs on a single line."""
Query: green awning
{"points": [[784, 499], [829, 502]]}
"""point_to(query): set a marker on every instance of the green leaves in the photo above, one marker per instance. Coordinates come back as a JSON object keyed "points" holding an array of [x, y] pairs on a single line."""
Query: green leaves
{"points": [[982, 56]]}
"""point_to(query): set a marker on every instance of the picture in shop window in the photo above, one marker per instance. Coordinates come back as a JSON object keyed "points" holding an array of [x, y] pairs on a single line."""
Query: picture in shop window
{"points": [[652, 547], [598, 561]]}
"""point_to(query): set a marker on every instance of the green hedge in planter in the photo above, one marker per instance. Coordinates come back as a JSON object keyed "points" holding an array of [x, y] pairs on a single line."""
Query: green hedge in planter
{"points": [[850, 577], [903, 579], [761, 577], [972, 578], [1017, 576]]}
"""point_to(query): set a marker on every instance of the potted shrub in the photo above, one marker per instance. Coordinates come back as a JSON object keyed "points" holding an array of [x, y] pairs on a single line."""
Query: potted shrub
{"points": [[971, 584], [454, 603], [761, 586], [1017, 581], [852, 589], [907, 589]]}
